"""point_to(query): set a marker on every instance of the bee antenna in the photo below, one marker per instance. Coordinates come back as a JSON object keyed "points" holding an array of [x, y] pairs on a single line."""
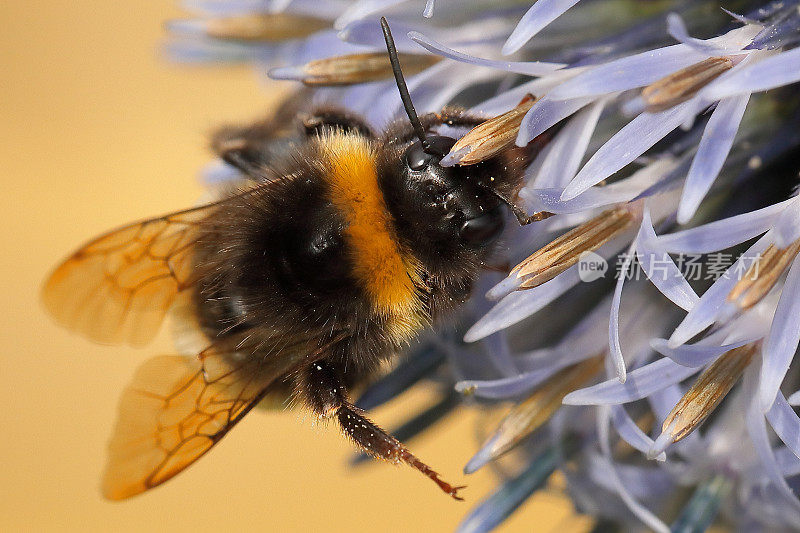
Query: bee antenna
{"points": [[401, 85]]}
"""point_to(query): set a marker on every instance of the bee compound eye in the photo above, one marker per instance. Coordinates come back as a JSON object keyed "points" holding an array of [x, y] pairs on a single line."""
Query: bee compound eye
{"points": [[416, 158], [482, 229], [419, 157]]}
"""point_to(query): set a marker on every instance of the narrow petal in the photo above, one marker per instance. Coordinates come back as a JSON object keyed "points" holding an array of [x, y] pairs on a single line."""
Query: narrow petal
{"points": [[636, 508], [781, 344], [625, 190], [529, 68], [542, 13], [694, 355], [711, 153], [627, 144], [519, 384], [614, 346], [786, 423], [711, 304], [677, 29], [774, 71], [661, 270], [647, 67], [640, 384], [568, 147], [545, 114], [628, 72], [787, 226], [756, 427], [520, 305], [723, 233], [630, 432]]}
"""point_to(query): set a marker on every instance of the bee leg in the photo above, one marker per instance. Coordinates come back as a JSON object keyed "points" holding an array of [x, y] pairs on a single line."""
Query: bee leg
{"points": [[332, 118], [326, 393]]}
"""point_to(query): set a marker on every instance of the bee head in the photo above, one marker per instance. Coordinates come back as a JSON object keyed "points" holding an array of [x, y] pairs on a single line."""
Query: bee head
{"points": [[459, 195]]}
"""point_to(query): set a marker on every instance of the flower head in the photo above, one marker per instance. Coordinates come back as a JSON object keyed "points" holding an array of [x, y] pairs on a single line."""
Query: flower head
{"points": [[670, 158]]}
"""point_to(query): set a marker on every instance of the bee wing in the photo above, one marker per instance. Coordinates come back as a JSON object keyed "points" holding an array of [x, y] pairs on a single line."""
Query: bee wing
{"points": [[118, 287], [176, 408]]}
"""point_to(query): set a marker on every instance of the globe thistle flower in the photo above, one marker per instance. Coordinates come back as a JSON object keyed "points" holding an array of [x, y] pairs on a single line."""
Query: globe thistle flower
{"points": [[645, 334]]}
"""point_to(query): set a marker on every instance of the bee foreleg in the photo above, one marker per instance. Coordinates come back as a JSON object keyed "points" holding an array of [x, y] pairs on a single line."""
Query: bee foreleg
{"points": [[327, 396]]}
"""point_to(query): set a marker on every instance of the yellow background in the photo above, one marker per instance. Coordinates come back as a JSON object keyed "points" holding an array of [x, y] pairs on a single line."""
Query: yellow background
{"points": [[97, 129]]}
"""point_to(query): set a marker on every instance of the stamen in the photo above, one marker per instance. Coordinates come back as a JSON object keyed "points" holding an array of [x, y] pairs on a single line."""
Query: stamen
{"points": [[354, 68], [538, 408], [268, 27], [493, 136], [705, 395], [563, 252], [680, 86], [762, 275]]}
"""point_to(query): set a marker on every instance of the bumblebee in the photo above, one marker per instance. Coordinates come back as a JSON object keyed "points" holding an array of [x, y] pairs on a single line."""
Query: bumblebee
{"points": [[343, 245]]}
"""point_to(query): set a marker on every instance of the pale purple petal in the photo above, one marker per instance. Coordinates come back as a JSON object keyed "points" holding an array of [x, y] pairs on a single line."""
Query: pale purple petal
{"points": [[711, 153], [787, 461], [786, 423], [509, 99], [630, 432], [496, 346], [784, 335], [627, 144], [542, 13], [565, 151], [787, 226], [677, 29], [757, 430], [618, 192], [636, 508], [644, 68], [661, 270], [614, 346], [546, 113], [520, 305], [641, 383], [523, 383], [774, 71], [627, 73], [694, 355], [529, 68], [506, 387], [712, 302], [794, 399], [722, 233], [557, 357]]}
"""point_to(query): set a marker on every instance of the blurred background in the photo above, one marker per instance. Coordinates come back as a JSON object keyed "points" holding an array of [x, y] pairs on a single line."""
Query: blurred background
{"points": [[97, 129]]}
